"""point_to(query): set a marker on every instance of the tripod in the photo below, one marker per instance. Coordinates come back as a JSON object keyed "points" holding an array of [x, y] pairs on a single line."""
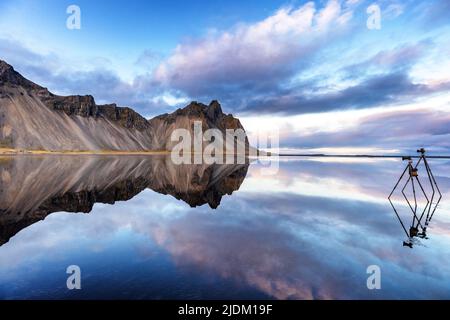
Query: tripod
{"points": [[413, 180]]}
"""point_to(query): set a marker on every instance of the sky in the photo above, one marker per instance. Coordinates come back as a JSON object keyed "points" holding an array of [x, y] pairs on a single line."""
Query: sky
{"points": [[316, 72]]}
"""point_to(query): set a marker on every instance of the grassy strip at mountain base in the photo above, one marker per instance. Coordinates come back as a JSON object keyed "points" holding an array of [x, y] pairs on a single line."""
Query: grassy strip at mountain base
{"points": [[8, 151]]}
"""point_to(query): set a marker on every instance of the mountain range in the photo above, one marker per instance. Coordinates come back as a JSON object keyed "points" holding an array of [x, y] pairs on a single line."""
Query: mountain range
{"points": [[33, 118]]}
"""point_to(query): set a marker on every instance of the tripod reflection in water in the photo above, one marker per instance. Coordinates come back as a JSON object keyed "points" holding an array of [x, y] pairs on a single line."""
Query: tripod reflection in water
{"points": [[420, 219]]}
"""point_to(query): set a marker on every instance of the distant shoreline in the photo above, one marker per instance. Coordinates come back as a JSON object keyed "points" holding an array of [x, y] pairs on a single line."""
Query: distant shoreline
{"points": [[12, 152], [19, 152], [320, 155]]}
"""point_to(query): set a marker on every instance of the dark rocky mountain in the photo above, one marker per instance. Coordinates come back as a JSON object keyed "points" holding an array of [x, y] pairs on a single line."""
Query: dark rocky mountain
{"points": [[33, 118], [31, 188]]}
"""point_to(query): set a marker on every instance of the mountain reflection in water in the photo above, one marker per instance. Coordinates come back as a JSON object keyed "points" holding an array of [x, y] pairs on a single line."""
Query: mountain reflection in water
{"points": [[309, 231], [34, 187]]}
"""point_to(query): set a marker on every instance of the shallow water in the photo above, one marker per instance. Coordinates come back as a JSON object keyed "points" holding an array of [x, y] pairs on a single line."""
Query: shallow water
{"points": [[308, 229]]}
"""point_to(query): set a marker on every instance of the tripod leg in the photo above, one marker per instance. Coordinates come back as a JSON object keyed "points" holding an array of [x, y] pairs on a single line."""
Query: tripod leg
{"points": [[390, 201], [426, 206], [415, 202], [404, 195], [429, 173], [437, 188], [418, 162], [398, 217], [398, 181]]}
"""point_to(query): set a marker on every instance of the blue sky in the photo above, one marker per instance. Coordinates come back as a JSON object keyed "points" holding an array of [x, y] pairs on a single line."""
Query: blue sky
{"points": [[313, 70]]}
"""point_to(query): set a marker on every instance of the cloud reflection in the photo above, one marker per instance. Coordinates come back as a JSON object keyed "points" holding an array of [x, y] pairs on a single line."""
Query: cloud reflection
{"points": [[285, 244]]}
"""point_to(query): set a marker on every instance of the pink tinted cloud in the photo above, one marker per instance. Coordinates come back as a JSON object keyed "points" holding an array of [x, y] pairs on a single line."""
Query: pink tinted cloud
{"points": [[253, 51]]}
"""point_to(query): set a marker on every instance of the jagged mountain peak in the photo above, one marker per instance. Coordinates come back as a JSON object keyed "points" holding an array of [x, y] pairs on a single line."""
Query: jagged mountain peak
{"points": [[5, 67], [195, 109], [33, 118], [10, 76]]}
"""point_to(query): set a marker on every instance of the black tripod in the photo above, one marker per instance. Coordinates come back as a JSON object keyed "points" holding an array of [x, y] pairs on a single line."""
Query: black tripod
{"points": [[413, 179]]}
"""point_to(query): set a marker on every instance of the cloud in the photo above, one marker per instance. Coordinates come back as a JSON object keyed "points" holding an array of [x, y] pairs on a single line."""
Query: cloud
{"points": [[380, 80], [374, 91], [253, 55], [393, 11], [274, 65], [433, 14], [402, 130], [288, 63], [60, 77], [402, 57], [148, 58], [226, 65]]}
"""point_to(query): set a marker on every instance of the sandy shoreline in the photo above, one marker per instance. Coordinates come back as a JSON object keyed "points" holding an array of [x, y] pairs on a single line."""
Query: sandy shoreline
{"points": [[13, 152], [4, 151]]}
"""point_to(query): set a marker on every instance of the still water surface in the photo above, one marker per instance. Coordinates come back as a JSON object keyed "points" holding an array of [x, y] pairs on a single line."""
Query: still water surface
{"points": [[152, 230]]}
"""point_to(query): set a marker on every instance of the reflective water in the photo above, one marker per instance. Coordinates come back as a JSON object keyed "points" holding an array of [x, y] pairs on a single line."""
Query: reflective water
{"points": [[308, 231]]}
